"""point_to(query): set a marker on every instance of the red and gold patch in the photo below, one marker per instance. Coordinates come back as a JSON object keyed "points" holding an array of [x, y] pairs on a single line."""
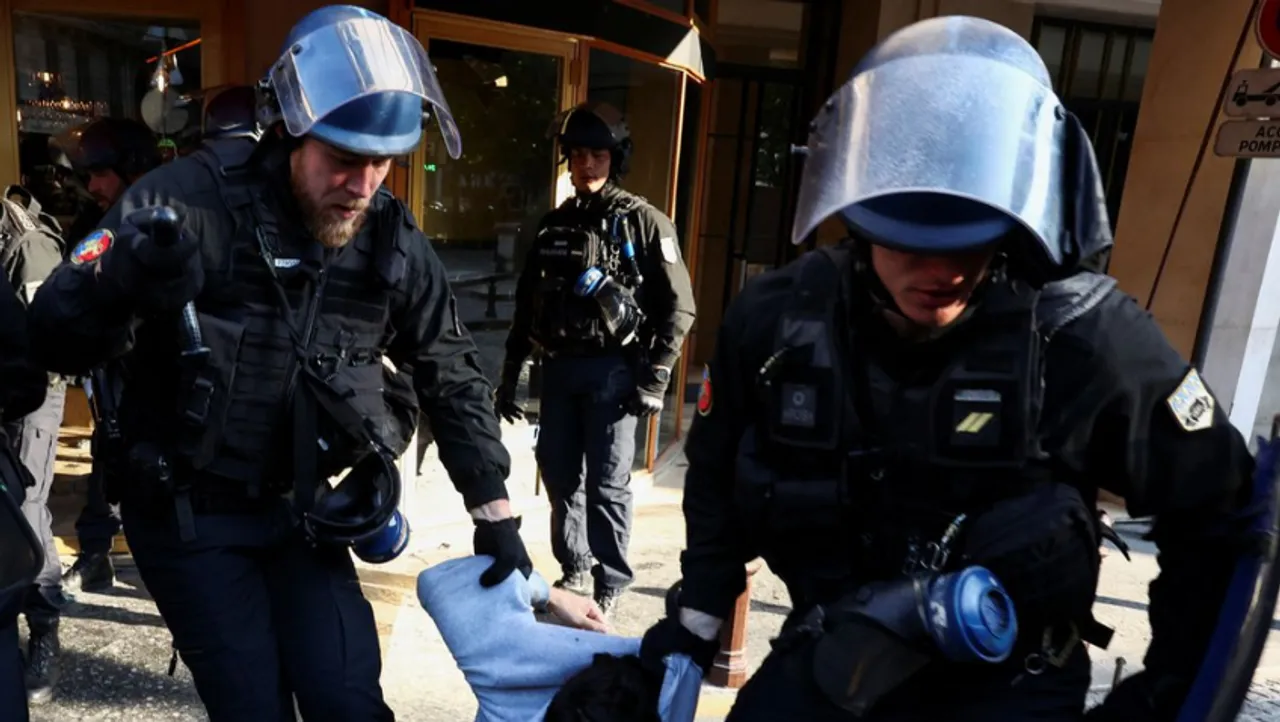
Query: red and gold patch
{"points": [[704, 394]]}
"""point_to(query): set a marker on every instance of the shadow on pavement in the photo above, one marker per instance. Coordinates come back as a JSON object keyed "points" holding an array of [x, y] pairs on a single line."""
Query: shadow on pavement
{"points": [[86, 610], [97, 683]]}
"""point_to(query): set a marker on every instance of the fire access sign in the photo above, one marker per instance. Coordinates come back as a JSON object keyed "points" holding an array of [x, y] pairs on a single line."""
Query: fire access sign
{"points": [[1255, 96]]}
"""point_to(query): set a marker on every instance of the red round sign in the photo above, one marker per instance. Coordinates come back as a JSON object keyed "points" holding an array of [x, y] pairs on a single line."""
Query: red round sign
{"points": [[1269, 27]]}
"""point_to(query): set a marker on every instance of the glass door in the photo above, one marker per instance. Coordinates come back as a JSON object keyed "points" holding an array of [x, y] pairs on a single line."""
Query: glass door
{"points": [[504, 85]]}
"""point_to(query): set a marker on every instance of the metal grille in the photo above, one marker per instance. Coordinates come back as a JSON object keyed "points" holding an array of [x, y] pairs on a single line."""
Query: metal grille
{"points": [[1098, 71]]}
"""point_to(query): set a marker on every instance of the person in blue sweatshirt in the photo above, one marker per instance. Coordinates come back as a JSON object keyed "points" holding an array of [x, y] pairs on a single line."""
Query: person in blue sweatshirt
{"points": [[524, 670]]}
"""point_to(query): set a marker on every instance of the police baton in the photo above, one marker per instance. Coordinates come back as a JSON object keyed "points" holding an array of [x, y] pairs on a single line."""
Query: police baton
{"points": [[164, 227]]}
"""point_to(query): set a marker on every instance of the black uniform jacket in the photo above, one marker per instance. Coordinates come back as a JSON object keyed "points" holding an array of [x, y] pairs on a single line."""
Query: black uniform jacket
{"points": [[1108, 379], [77, 324], [666, 296]]}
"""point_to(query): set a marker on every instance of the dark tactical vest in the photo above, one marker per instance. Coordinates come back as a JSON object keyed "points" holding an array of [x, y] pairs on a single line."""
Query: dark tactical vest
{"points": [[240, 400], [579, 239], [853, 476]]}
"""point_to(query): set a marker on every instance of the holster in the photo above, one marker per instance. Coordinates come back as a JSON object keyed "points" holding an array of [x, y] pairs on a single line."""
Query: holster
{"points": [[150, 470], [857, 661]]}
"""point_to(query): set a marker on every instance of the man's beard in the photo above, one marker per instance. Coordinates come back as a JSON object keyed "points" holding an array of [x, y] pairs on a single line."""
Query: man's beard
{"points": [[329, 232]]}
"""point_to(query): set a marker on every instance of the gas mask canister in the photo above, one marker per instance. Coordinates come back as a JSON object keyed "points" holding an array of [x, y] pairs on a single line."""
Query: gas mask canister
{"points": [[618, 306], [362, 511], [877, 637]]}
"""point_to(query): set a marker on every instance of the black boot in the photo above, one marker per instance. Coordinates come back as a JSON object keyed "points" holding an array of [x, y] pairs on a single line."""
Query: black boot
{"points": [[578, 582], [92, 572], [42, 663], [607, 599]]}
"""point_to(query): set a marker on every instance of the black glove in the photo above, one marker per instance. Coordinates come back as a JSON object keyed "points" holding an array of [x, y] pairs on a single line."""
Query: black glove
{"points": [[651, 386], [154, 261], [504, 399], [501, 540], [669, 636]]}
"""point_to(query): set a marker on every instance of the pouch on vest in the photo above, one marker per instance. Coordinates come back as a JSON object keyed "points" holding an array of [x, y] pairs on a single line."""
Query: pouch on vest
{"points": [[203, 408], [780, 503], [1043, 545], [562, 254], [801, 383], [982, 406]]}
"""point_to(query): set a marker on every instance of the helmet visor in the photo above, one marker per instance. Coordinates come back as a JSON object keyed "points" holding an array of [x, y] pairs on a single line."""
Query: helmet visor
{"points": [[969, 127], [349, 60]]}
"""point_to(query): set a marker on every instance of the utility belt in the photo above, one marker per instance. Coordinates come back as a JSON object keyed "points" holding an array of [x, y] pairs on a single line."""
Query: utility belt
{"points": [[156, 481]]}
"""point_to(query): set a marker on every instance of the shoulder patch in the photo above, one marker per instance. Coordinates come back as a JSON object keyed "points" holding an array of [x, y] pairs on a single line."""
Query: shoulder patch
{"points": [[670, 253], [92, 246], [1191, 403], [704, 393]]}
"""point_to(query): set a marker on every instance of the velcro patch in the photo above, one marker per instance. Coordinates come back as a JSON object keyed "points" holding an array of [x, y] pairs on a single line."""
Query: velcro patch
{"points": [[92, 246], [1191, 403]]}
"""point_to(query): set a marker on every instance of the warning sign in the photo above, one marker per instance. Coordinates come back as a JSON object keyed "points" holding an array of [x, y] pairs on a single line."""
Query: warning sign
{"points": [[1255, 94], [1248, 139]]}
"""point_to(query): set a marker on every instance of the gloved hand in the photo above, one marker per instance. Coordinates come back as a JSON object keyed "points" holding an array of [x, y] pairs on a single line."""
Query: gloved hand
{"points": [[501, 540], [504, 398], [650, 389], [669, 636], [153, 261]]}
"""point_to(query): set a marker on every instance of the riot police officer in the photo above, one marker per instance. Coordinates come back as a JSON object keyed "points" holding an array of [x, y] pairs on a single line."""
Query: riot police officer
{"points": [[110, 154], [922, 417], [605, 297], [302, 274]]}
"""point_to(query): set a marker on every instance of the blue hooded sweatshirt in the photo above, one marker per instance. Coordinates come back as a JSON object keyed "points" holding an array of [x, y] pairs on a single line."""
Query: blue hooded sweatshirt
{"points": [[516, 664]]}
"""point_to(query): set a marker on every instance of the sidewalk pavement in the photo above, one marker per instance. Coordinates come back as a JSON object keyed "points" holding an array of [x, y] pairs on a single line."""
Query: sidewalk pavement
{"points": [[117, 650]]}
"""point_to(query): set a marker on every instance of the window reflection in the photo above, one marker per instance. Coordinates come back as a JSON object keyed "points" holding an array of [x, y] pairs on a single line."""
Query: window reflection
{"points": [[71, 70]]}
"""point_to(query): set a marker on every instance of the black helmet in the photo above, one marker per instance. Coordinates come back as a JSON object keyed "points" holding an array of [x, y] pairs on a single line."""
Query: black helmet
{"points": [[598, 126], [231, 112], [123, 145]]}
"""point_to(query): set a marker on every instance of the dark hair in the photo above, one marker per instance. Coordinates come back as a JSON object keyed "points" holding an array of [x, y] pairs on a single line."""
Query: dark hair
{"points": [[612, 689]]}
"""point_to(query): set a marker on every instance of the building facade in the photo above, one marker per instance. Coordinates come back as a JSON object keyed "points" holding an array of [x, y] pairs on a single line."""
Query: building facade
{"points": [[717, 93]]}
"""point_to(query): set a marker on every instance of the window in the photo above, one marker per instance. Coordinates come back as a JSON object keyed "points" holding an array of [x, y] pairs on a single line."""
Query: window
{"points": [[70, 70], [1098, 71]]}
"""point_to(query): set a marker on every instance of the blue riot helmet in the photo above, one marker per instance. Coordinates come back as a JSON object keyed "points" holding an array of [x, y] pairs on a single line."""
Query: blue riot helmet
{"points": [[362, 511], [947, 137], [358, 81]]}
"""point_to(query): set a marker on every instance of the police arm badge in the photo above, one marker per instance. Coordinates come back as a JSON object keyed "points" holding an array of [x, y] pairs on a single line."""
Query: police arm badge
{"points": [[92, 246], [669, 250], [1191, 403], [704, 392]]}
